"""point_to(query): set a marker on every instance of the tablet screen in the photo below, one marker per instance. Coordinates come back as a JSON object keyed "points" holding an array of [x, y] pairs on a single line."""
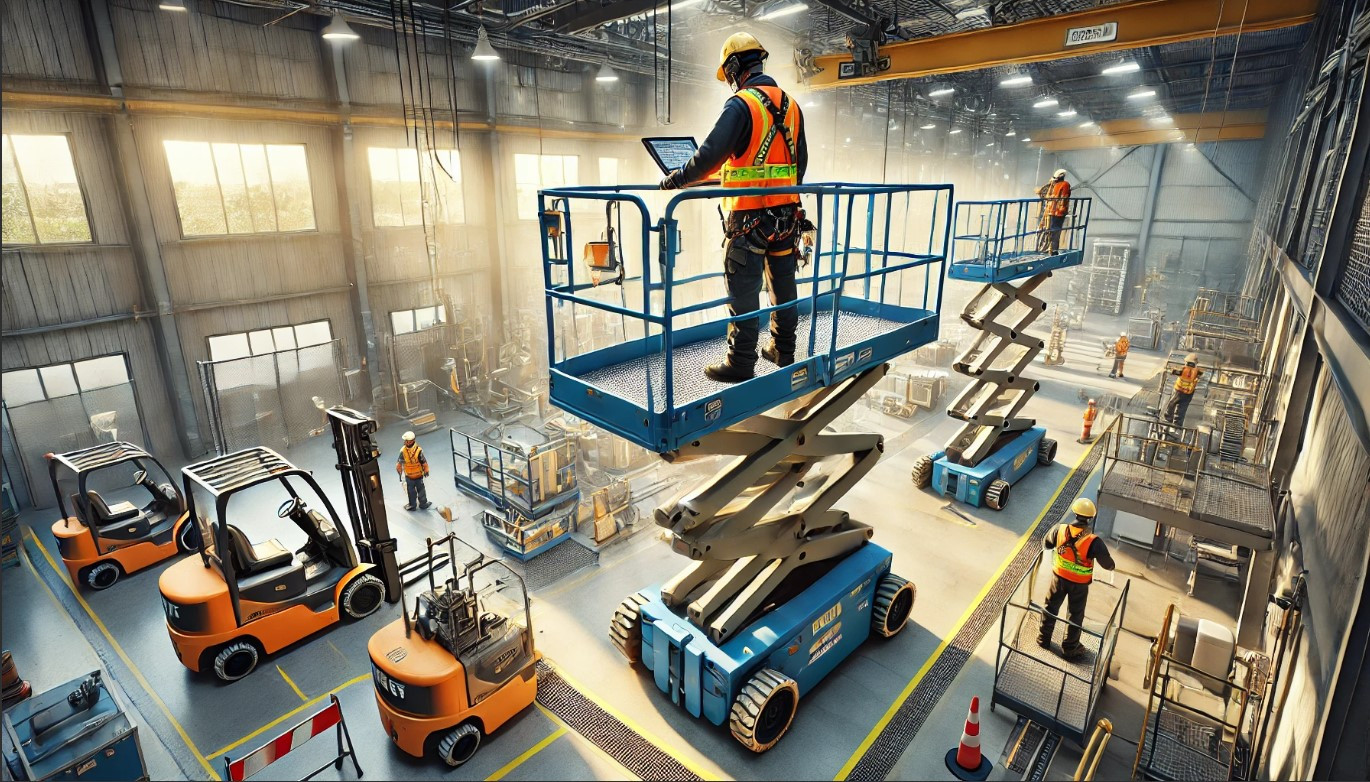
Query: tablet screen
{"points": [[671, 153]]}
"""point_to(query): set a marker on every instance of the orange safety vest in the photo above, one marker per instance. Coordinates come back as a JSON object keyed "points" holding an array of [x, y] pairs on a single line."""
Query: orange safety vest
{"points": [[769, 160], [1091, 413], [414, 466], [1188, 380], [1072, 559], [1120, 349], [1057, 195]]}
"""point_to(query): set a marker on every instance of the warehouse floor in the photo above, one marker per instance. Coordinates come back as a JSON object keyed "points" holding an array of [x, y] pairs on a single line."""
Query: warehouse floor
{"points": [[852, 718]]}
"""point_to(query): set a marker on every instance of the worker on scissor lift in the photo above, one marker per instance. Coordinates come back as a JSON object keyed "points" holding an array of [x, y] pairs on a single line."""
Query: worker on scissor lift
{"points": [[413, 466], [1056, 195], [1120, 349], [1185, 384], [757, 142], [1077, 549]]}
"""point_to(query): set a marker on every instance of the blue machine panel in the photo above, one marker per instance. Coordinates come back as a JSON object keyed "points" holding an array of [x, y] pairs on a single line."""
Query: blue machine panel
{"points": [[1011, 460], [1000, 241], [49, 738]]}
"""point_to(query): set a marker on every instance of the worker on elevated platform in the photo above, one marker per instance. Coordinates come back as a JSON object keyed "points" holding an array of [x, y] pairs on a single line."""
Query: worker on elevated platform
{"points": [[757, 142], [1056, 197], [1120, 349], [1185, 384], [1077, 550]]}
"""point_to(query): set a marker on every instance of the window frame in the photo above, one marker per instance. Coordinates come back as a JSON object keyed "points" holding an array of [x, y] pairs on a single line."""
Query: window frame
{"points": [[437, 166], [38, 371], [80, 186], [209, 346], [413, 313], [223, 206]]}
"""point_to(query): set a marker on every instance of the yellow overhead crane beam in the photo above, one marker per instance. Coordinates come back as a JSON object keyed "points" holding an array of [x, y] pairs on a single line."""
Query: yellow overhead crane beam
{"points": [[1197, 127], [1107, 29]]}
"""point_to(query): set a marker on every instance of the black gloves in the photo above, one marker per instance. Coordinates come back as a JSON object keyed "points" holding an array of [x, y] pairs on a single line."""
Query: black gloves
{"points": [[672, 181]]}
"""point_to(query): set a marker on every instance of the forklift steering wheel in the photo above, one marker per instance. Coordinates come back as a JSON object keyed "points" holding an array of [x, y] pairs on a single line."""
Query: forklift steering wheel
{"points": [[288, 507], [139, 477]]}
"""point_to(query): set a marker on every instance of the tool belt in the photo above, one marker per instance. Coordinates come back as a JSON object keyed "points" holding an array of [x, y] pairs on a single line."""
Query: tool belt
{"points": [[764, 229]]}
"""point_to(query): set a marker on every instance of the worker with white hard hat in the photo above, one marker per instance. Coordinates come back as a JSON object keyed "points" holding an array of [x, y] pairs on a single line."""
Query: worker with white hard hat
{"points": [[1185, 384], [1077, 549], [1056, 207], [1120, 349], [412, 466]]}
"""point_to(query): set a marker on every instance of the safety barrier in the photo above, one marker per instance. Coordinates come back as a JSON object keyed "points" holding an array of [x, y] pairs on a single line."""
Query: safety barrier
{"points": [[330, 716]]}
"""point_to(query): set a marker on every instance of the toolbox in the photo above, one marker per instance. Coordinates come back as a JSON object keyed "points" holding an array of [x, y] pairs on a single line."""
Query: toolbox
{"points": [[76, 731]]}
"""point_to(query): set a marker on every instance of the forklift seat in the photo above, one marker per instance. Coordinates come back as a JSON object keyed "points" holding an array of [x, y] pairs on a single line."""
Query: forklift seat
{"points": [[106, 515], [125, 521], [249, 559]]}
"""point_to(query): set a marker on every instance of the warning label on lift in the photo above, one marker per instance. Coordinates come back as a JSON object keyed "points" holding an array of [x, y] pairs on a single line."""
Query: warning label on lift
{"points": [[799, 377], [827, 641], [827, 617]]}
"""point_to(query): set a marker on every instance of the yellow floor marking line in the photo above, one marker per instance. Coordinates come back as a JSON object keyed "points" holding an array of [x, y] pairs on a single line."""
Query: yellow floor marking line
{"points": [[629, 723], [119, 650], [292, 684], [950, 634], [527, 753], [263, 729], [559, 721]]}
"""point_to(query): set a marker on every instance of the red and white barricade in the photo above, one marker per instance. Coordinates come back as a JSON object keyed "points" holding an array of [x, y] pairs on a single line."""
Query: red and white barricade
{"points": [[330, 716]]}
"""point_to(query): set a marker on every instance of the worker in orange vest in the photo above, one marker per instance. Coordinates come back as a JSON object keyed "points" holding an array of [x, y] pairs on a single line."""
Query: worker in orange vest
{"points": [[757, 142], [1091, 413], [1077, 549], [1056, 194], [1185, 384], [412, 465], [1120, 354]]}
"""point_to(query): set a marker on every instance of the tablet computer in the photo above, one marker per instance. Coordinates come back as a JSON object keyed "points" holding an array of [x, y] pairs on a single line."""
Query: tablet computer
{"points": [[671, 152]]}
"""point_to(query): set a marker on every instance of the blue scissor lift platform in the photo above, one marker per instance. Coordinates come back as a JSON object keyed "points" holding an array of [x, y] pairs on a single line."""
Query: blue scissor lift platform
{"points": [[999, 243], [782, 586]]}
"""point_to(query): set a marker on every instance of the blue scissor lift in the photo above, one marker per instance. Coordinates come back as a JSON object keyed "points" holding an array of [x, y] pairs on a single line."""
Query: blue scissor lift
{"points": [[532, 487], [998, 243], [782, 586]]}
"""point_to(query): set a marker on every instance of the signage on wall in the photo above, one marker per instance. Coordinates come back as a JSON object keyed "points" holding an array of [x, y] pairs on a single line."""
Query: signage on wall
{"points": [[1098, 33]]}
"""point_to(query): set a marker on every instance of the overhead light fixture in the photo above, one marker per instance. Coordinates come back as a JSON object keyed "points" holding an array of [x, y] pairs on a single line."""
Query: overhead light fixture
{"points": [[1087, 124], [813, 104], [1140, 94], [1122, 67], [954, 132], [606, 74], [793, 8], [928, 126], [970, 13], [338, 29], [1026, 139], [1016, 81], [681, 5], [1045, 102], [990, 144], [172, 5], [940, 92], [1011, 133], [848, 139], [484, 52], [1067, 113]]}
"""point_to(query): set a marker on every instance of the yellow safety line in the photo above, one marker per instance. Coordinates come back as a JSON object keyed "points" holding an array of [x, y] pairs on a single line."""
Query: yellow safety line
{"points": [[263, 729], [559, 721], [633, 726], [527, 753], [119, 650], [946, 640], [292, 684]]}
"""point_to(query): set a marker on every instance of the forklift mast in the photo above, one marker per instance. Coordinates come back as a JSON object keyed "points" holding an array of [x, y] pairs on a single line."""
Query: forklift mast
{"points": [[357, 461]]}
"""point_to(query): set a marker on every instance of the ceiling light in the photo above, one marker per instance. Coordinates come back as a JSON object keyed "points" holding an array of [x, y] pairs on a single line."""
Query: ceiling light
{"points": [[1087, 124], [969, 13], [990, 144], [848, 139], [940, 92], [954, 132], [1011, 133], [1122, 67], [811, 104], [1139, 94], [786, 11], [172, 5], [1026, 139], [1042, 104], [1067, 113], [484, 52], [683, 4], [928, 126], [606, 73], [338, 29], [1016, 81]]}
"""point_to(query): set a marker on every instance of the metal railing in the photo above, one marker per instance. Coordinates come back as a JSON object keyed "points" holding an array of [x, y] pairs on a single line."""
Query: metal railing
{"points": [[509, 478], [999, 233]]}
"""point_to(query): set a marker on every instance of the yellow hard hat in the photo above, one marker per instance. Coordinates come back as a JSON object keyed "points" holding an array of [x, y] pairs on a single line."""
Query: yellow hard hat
{"points": [[738, 43], [1084, 507]]}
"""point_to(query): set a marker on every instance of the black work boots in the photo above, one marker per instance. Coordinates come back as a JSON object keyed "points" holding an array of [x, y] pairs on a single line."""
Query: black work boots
{"points": [[776, 357]]}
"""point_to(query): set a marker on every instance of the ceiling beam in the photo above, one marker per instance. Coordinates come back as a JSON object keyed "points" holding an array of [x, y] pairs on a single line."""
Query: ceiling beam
{"points": [[1139, 24], [1210, 126]]}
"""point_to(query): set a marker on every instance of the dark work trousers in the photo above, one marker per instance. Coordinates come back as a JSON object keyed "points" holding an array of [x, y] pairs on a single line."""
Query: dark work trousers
{"points": [[747, 259], [1118, 362], [418, 493], [1178, 406], [1062, 590], [1054, 232]]}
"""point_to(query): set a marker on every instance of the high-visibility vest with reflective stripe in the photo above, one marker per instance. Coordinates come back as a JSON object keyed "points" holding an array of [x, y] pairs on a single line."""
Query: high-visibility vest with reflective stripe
{"points": [[1121, 348], [1188, 380], [1091, 413], [1072, 561], [1058, 198], [412, 458], [769, 160]]}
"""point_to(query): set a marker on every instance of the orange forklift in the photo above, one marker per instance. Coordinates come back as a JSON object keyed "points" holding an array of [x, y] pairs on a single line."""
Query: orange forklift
{"points": [[99, 541], [464, 664], [239, 600]]}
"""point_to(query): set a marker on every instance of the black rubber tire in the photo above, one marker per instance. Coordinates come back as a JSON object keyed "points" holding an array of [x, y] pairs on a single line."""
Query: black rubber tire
{"points": [[361, 597], [188, 537], [1046, 452], [996, 496], [102, 575], [459, 745], [892, 606], [625, 629], [922, 472], [236, 660], [764, 710]]}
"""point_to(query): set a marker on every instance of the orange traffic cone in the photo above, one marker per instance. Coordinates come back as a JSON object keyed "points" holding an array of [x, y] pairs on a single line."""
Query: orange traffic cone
{"points": [[965, 761]]}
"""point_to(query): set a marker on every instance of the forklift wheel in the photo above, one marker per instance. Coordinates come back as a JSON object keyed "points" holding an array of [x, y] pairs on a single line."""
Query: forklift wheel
{"points": [[188, 537], [922, 472], [458, 746], [893, 604], [764, 710], [996, 496], [625, 630], [102, 575], [362, 596], [1046, 452], [235, 661]]}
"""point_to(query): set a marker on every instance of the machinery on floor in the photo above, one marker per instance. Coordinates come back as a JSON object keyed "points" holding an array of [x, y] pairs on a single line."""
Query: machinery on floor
{"points": [[239, 600], [463, 664], [902, 393], [77, 730], [99, 542], [783, 586], [531, 486], [994, 244]]}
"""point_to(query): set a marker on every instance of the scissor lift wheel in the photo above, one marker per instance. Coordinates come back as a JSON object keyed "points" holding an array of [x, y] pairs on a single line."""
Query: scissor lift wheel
{"points": [[996, 496], [892, 606], [625, 629], [1046, 452], [764, 709], [922, 472]]}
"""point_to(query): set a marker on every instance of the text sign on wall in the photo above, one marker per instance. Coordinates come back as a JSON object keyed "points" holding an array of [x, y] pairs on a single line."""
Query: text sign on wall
{"points": [[1099, 33]]}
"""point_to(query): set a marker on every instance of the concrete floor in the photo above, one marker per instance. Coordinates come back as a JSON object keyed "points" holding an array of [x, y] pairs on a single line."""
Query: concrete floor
{"points": [[191, 722]]}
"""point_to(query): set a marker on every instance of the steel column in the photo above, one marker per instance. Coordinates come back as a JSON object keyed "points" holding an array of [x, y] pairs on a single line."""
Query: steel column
{"points": [[1153, 190]]}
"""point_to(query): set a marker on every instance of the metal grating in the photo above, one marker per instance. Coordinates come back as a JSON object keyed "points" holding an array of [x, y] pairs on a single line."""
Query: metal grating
{"points": [[1181, 751], [1234, 504], [1353, 289], [1158, 488], [555, 564], [1038, 684]]}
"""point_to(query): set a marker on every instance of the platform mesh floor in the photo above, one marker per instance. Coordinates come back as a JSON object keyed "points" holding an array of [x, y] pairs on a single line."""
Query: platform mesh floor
{"points": [[1157, 488], [628, 380], [554, 564], [1182, 751], [1233, 504], [1038, 685]]}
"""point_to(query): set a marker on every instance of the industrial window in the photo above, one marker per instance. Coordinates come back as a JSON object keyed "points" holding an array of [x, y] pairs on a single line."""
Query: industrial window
{"points": [[536, 172], [397, 186], [42, 198], [23, 386], [263, 341], [240, 188], [406, 321]]}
